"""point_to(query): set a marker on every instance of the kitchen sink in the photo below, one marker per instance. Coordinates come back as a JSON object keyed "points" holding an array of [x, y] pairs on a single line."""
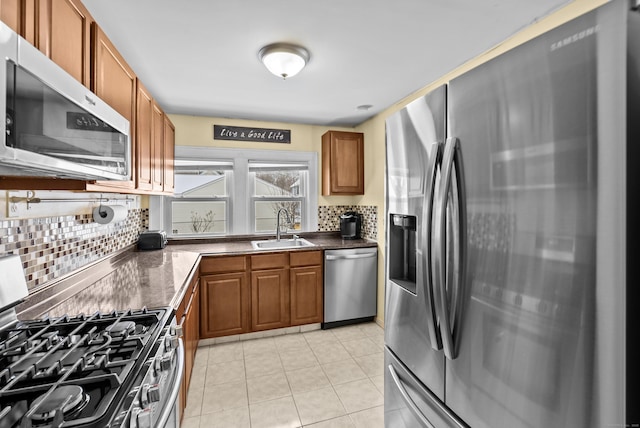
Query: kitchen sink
{"points": [[283, 243]]}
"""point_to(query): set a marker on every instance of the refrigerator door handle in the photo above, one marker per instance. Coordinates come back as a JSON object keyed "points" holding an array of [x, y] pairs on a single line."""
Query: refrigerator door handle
{"points": [[425, 267], [407, 399], [449, 317]]}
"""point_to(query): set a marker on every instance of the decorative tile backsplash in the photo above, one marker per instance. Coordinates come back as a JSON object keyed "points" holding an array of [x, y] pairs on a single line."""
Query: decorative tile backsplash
{"points": [[51, 247], [329, 218]]}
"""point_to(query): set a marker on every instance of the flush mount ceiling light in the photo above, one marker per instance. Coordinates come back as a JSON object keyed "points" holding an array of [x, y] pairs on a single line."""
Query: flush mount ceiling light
{"points": [[283, 59]]}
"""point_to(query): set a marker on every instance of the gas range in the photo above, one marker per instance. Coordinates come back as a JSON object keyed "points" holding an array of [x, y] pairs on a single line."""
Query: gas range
{"points": [[117, 369]]}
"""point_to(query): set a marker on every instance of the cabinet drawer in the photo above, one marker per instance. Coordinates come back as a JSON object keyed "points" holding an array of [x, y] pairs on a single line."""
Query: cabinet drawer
{"points": [[269, 261], [305, 258], [223, 264]]}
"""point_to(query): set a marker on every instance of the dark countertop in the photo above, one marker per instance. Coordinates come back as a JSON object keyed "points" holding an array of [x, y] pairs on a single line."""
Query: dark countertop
{"points": [[321, 241], [133, 279]]}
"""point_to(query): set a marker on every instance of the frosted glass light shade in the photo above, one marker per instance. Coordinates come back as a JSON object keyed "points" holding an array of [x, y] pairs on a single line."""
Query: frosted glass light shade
{"points": [[284, 60]]}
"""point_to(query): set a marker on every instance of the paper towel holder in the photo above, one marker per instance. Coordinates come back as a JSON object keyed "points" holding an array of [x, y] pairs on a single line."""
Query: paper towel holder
{"points": [[101, 212], [31, 199]]}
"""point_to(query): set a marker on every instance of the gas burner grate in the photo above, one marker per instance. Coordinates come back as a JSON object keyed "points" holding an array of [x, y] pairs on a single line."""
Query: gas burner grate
{"points": [[100, 353]]}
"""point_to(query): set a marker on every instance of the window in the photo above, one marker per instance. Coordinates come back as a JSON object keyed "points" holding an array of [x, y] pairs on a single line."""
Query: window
{"points": [[200, 204], [229, 191], [277, 186]]}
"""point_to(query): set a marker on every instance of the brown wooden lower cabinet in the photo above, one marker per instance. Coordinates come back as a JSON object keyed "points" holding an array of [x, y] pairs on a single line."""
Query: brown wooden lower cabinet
{"points": [[269, 299], [191, 332], [225, 301], [188, 313], [306, 295], [240, 294]]}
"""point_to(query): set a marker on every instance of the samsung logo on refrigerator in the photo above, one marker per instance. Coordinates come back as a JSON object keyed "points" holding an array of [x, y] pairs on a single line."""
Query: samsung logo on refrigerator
{"points": [[572, 39]]}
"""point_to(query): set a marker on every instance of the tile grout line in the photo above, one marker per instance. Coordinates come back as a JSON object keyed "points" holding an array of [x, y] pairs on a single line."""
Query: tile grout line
{"points": [[284, 372], [246, 383]]}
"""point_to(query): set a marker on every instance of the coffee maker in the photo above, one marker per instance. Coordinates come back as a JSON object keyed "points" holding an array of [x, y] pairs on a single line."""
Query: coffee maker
{"points": [[350, 225]]}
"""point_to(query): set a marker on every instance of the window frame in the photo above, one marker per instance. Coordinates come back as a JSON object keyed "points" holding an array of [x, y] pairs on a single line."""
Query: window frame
{"points": [[240, 207]]}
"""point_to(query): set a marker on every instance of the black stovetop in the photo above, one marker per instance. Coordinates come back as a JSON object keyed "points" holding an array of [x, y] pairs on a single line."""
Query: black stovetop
{"points": [[73, 371]]}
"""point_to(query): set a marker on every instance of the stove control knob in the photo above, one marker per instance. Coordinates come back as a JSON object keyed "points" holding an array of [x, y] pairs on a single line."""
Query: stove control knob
{"points": [[144, 419], [150, 394], [144, 395], [170, 343], [176, 330], [157, 366], [154, 393], [165, 363], [140, 418]]}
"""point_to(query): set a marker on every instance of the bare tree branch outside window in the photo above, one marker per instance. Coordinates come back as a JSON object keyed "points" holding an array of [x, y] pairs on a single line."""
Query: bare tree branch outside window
{"points": [[200, 223], [282, 184]]}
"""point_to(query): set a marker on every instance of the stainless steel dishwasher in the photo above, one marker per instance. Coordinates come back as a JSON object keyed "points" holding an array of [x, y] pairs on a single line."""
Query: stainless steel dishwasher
{"points": [[350, 286]]}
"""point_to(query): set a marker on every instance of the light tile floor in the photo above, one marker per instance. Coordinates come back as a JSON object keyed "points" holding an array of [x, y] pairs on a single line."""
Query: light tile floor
{"points": [[321, 379]]}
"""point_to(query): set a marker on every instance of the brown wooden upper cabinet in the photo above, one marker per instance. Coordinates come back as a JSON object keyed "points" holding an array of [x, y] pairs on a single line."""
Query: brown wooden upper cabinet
{"points": [[169, 137], [65, 32], [144, 137], [150, 144], [11, 14], [115, 82], [342, 163], [62, 31], [157, 148]]}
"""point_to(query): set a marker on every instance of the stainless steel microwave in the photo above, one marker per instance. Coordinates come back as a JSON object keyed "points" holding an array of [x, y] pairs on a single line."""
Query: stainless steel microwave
{"points": [[54, 125]]}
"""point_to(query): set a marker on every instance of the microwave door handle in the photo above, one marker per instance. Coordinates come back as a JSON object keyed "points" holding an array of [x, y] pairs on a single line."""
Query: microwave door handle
{"points": [[424, 265], [453, 278]]}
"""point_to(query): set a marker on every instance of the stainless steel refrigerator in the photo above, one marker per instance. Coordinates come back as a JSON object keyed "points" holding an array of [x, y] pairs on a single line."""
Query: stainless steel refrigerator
{"points": [[510, 273]]}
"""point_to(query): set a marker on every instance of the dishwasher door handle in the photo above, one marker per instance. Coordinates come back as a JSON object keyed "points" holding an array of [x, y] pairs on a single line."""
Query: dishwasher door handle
{"points": [[351, 257]]}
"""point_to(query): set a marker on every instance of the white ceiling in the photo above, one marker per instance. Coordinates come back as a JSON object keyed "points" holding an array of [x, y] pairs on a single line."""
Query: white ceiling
{"points": [[200, 57]]}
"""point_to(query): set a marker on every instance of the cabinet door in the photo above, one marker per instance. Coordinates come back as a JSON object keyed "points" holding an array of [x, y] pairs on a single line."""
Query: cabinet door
{"points": [[11, 14], [144, 138], [342, 163], [64, 35], [306, 295], [189, 312], [224, 304], [169, 137], [114, 81], [269, 299], [157, 148]]}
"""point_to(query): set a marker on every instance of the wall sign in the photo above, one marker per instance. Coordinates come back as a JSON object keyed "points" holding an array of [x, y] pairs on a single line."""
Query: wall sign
{"points": [[241, 133]]}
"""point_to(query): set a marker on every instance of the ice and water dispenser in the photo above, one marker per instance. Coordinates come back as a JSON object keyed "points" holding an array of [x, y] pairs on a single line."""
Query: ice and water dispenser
{"points": [[402, 250]]}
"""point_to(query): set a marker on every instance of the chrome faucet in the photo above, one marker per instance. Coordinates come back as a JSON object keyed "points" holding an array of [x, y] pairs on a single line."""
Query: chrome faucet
{"points": [[278, 221]]}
